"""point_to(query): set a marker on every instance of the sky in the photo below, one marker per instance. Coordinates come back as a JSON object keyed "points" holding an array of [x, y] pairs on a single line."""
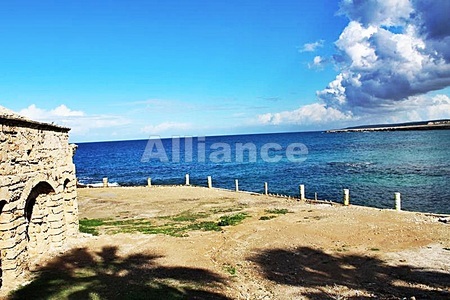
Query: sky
{"points": [[123, 70]]}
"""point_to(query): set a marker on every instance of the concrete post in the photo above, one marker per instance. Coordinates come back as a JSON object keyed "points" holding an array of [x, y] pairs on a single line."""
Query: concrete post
{"points": [[266, 188], [149, 182], [398, 205], [105, 182], [315, 196], [209, 182], [236, 184], [346, 197], [187, 179], [302, 192]]}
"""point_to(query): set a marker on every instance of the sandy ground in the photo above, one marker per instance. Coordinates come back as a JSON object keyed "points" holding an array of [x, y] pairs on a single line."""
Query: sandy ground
{"points": [[316, 251]]}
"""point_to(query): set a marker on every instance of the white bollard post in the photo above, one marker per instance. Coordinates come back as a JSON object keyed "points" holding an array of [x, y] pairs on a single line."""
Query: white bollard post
{"points": [[315, 196], [149, 182], [302, 192], [398, 204], [266, 188], [236, 184], [209, 182], [105, 182], [187, 179], [346, 197]]}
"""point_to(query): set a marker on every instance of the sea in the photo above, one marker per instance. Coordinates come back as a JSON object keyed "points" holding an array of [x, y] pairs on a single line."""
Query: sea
{"points": [[372, 165]]}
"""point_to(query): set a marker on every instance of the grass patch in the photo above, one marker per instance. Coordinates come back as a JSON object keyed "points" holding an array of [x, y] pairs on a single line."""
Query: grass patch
{"points": [[177, 229], [230, 270], [186, 216], [265, 218], [90, 225], [189, 217], [129, 222], [232, 220], [91, 222], [205, 226], [278, 211], [374, 249], [226, 210], [167, 230], [177, 226]]}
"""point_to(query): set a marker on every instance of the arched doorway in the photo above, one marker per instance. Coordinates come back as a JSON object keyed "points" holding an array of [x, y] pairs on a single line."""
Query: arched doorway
{"points": [[36, 213]]}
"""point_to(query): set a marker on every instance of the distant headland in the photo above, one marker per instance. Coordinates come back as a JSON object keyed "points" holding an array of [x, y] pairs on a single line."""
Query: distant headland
{"points": [[423, 125]]}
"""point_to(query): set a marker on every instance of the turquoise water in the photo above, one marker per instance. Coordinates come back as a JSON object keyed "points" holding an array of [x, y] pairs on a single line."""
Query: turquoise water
{"points": [[372, 165]]}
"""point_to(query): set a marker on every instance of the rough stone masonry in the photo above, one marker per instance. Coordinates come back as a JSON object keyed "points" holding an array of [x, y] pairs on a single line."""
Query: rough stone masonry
{"points": [[38, 199]]}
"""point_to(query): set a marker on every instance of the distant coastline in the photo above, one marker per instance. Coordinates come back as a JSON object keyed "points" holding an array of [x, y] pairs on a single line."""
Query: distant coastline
{"points": [[424, 125]]}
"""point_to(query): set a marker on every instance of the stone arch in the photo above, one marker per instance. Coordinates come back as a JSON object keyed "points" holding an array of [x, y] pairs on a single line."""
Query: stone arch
{"points": [[31, 184], [36, 214], [41, 188]]}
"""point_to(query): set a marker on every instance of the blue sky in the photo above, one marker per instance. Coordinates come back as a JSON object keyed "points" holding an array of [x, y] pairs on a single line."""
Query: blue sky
{"points": [[115, 70]]}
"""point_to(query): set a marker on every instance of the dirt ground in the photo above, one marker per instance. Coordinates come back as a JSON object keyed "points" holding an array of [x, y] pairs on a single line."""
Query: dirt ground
{"points": [[314, 251]]}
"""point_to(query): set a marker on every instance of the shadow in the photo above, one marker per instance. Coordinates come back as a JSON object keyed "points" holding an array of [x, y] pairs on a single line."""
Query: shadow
{"points": [[80, 274], [307, 267]]}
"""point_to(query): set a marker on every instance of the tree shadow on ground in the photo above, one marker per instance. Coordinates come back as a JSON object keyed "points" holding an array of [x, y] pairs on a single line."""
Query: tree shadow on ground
{"points": [[312, 268], [80, 274]]}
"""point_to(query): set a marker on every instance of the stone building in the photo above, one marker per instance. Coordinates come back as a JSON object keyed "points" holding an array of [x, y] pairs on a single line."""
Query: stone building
{"points": [[38, 200]]}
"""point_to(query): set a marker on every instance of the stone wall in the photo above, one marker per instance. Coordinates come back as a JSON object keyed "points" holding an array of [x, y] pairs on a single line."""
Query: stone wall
{"points": [[38, 206]]}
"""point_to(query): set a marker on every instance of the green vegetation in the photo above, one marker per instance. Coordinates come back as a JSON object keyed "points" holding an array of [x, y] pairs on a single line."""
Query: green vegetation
{"points": [[265, 218], [178, 225], [274, 213], [188, 216], [227, 210], [90, 226], [205, 226], [230, 269], [232, 220], [278, 211]]}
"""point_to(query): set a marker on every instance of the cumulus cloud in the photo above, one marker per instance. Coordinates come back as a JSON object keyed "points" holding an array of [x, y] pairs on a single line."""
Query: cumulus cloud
{"points": [[390, 57], [311, 47], [315, 113], [165, 127], [424, 108], [78, 121], [391, 50], [377, 12]]}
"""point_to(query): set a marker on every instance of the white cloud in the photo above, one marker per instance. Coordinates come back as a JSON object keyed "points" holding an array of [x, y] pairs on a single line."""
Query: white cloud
{"points": [[165, 127], [391, 55], [79, 122], [34, 113], [377, 12], [315, 113], [425, 108], [354, 42], [311, 47], [389, 52], [317, 63]]}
